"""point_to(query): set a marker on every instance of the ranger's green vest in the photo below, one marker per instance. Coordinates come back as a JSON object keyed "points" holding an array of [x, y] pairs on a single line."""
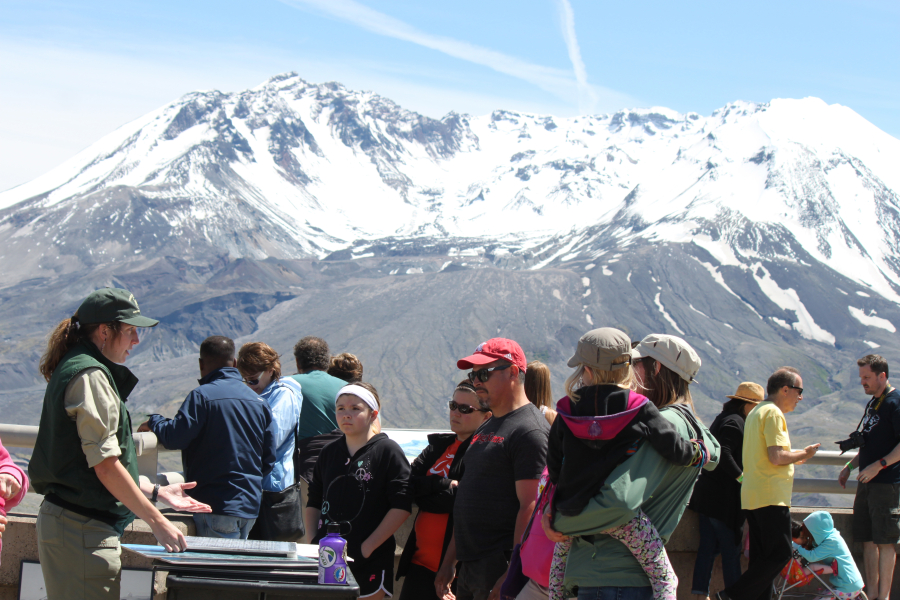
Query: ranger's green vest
{"points": [[58, 465]]}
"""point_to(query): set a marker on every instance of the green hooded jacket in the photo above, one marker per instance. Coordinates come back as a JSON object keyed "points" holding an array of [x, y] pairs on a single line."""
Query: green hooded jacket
{"points": [[646, 482]]}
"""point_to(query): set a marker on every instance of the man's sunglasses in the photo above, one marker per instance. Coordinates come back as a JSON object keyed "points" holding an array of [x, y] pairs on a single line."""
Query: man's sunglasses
{"points": [[799, 389], [484, 374], [465, 409]]}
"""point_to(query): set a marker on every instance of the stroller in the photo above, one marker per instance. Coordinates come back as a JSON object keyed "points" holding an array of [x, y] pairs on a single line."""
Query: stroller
{"points": [[798, 562]]}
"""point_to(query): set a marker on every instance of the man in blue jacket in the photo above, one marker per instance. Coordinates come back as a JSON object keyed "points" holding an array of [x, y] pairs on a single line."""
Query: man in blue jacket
{"points": [[227, 437]]}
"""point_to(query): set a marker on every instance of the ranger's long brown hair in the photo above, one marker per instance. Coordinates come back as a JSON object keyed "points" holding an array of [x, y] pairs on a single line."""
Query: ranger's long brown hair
{"points": [[64, 337]]}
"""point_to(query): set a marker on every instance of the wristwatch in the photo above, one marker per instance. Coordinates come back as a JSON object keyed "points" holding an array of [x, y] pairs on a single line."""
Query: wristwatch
{"points": [[883, 463], [155, 493]]}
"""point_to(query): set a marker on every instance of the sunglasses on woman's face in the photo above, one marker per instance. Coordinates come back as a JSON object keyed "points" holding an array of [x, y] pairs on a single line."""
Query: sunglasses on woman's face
{"points": [[254, 381], [465, 409]]}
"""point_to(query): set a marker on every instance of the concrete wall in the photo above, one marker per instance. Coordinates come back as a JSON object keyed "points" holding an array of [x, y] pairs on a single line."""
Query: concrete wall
{"points": [[20, 542]]}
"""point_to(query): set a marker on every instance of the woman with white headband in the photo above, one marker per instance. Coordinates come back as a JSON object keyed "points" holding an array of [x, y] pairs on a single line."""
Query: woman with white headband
{"points": [[361, 482]]}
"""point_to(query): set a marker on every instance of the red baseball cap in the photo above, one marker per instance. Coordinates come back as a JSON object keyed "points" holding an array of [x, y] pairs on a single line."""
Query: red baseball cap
{"points": [[495, 349]]}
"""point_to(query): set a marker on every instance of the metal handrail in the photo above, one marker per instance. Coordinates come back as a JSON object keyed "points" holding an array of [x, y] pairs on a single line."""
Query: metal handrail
{"points": [[25, 436], [147, 447], [831, 457]]}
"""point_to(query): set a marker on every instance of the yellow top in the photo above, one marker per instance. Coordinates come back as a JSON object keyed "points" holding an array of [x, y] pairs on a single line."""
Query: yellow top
{"points": [[765, 484]]}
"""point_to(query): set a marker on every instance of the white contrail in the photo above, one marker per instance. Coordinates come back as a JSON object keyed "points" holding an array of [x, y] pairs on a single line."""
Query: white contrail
{"points": [[556, 81], [587, 98]]}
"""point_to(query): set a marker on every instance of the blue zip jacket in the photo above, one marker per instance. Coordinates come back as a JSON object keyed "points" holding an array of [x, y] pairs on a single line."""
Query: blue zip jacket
{"points": [[226, 435], [285, 401], [830, 544]]}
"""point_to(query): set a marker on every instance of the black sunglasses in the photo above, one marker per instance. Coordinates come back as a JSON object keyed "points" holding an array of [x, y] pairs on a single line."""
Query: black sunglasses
{"points": [[251, 381], [484, 374], [465, 409], [799, 390]]}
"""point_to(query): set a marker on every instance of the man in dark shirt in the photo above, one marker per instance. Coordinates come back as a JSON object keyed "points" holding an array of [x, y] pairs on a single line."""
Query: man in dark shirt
{"points": [[878, 494], [503, 464], [227, 437]]}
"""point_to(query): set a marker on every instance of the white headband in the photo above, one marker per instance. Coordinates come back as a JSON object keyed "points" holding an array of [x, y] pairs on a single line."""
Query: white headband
{"points": [[360, 392]]}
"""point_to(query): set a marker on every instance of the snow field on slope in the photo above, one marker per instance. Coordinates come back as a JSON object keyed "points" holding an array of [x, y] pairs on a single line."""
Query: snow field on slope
{"points": [[828, 126], [789, 300], [71, 168], [871, 320], [665, 314]]}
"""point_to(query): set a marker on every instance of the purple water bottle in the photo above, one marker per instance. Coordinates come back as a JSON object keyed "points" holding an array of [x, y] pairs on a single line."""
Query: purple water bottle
{"points": [[333, 556]]}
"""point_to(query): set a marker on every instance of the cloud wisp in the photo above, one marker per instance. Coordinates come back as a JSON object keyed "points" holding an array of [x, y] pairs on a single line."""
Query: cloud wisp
{"points": [[587, 97], [556, 81]]}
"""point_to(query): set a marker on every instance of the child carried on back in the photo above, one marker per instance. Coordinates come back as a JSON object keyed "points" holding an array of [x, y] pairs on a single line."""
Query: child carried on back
{"points": [[816, 540], [600, 425]]}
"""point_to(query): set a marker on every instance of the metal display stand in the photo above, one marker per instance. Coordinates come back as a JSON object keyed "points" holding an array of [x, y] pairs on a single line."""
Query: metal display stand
{"points": [[210, 583]]}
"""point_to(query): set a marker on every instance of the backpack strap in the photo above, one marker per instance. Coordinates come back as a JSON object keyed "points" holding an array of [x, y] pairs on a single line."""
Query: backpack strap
{"points": [[688, 415]]}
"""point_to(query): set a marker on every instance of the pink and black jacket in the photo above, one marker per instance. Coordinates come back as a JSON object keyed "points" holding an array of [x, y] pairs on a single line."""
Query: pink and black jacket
{"points": [[593, 436]]}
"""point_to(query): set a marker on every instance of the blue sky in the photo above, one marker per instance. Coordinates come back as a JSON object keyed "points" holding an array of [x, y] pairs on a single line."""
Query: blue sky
{"points": [[70, 72]]}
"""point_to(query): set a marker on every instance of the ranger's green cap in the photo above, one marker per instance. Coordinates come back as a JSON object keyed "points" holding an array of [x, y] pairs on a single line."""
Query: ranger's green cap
{"points": [[112, 304]]}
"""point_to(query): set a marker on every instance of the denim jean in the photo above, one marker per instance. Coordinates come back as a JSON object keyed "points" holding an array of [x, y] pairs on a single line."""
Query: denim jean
{"points": [[222, 526], [615, 593], [715, 537]]}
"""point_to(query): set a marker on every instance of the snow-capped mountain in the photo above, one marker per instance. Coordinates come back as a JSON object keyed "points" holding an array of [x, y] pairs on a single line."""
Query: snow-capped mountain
{"points": [[765, 234], [292, 169]]}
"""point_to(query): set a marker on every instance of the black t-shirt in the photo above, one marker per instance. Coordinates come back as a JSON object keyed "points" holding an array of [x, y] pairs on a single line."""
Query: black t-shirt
{"points": [[882, 433], [358, 491], [503, 451]]}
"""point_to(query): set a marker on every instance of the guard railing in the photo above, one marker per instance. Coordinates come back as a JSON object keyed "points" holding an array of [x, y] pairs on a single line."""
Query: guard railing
{"points": [[148, 449]]}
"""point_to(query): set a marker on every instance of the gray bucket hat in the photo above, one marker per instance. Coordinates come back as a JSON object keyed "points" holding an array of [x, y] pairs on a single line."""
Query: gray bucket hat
{"points": [[672, 352], [598, 349]]}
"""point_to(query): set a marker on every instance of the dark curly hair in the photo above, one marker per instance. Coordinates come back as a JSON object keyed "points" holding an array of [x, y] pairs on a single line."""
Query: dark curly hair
{"points": [[312, 354]]}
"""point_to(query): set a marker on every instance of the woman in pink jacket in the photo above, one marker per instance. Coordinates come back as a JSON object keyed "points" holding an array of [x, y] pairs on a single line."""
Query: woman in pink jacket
{"points": [[13, 486]]}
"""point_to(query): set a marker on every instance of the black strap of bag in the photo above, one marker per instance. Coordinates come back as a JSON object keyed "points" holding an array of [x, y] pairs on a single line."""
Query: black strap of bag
{"points": [[280, 516]]}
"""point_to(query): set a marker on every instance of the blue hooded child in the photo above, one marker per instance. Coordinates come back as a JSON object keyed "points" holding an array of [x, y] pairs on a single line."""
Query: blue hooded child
{"points": [[830, 545]]}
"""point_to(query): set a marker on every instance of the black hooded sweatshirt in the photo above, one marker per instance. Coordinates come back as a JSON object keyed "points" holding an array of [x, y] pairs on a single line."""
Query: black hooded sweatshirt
{"points": [[358, 491], [579, 467]]}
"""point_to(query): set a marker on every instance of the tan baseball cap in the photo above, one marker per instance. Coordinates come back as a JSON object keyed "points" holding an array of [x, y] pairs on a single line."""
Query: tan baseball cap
{"points": [[672, 352], [598, 349], [749, 392]]}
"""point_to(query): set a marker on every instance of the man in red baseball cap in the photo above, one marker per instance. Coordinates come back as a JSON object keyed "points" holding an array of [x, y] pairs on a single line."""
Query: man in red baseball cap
{"points": [[503, 465]]}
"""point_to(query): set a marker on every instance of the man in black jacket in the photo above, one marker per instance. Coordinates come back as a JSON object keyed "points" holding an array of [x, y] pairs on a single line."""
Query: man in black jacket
{"points": [[717, 495]]}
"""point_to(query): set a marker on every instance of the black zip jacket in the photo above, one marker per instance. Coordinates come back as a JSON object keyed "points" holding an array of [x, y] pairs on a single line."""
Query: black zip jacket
{"points": [[717, 493], [358, 491], [433, 493], [579, 467]]}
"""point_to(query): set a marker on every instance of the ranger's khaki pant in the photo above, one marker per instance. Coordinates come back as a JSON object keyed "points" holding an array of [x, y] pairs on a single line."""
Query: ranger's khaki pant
{"points": [[79, 555]]}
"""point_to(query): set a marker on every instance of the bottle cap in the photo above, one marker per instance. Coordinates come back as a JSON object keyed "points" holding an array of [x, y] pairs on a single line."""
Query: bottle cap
{"points": [[334, 528]]}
